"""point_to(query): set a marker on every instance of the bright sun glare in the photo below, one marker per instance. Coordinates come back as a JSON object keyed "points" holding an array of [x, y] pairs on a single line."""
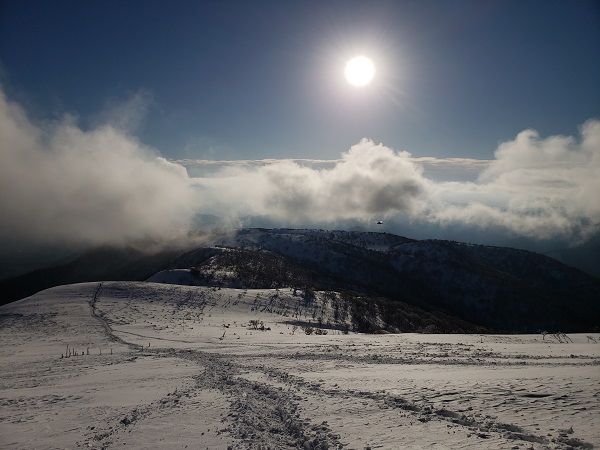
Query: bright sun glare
{"points": [[359, 71]]}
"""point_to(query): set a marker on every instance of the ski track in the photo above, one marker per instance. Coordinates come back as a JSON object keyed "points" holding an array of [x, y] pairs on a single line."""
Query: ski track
{"points": [[260, 395]]}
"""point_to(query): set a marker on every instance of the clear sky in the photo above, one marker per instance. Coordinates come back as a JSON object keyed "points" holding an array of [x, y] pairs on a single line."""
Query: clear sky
{"points": [[127, 119], [264, 79]]}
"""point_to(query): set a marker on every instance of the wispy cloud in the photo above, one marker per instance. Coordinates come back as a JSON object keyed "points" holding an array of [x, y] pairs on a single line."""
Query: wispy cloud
{"points": [[125, 115]]}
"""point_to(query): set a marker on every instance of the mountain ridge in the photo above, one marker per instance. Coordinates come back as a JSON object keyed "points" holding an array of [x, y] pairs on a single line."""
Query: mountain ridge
{"points": [[497, 288]]}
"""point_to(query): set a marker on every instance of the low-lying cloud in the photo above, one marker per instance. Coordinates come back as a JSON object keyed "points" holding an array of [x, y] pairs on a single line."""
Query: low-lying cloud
{"points": [[369, 180], [60, 183], [535, 187]]}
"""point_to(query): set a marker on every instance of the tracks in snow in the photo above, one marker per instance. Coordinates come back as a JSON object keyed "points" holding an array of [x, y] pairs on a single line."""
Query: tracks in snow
{"points": [[269, 414], [261, 416]]}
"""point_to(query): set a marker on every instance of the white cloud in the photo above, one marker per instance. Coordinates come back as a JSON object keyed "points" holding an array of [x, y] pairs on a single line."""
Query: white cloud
{"points": [[59, 183], [535, 187], [540, 188], [369, 180]]}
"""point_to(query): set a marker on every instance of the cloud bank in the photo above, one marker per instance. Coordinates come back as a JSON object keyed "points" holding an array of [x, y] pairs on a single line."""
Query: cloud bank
{"points": [[60, 183], [537, 188]]}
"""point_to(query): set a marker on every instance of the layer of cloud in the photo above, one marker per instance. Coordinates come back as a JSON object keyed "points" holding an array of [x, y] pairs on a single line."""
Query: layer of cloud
{"points": [[535, 187], [59, 183], [435, 169]]}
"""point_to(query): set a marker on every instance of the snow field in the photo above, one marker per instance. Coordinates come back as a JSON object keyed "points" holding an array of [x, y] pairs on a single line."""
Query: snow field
{"points": [[188, 369]]}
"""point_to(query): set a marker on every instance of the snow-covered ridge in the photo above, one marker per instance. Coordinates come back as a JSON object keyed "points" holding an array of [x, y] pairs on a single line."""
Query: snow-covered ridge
{"points": [[499, 288]]}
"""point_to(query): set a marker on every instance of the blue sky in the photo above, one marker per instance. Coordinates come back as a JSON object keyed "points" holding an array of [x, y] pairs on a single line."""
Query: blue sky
{"points": [[264, 79], [121, 120]]}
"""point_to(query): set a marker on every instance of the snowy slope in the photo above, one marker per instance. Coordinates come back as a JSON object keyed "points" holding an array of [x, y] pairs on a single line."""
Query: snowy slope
{"points": [[181, 366]]}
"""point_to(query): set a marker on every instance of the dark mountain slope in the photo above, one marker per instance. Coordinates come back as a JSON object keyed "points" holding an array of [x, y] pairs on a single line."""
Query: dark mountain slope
{"points": [[105, 263], [501, 288]]}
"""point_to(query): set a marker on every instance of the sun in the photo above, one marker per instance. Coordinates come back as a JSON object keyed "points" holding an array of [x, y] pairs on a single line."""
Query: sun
{"points": [[359, 71]]}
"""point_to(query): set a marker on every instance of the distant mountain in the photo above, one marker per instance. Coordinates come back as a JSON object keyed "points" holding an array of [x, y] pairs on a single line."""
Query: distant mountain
{"points": [[103, 263], [585, 257], [463, 286]]}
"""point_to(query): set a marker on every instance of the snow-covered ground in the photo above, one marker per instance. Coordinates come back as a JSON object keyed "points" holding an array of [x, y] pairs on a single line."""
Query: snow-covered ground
{"points": [[155, 366]]}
